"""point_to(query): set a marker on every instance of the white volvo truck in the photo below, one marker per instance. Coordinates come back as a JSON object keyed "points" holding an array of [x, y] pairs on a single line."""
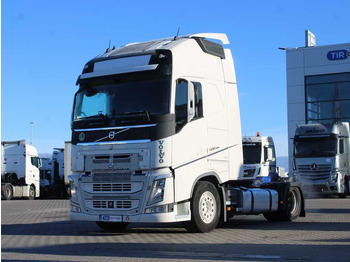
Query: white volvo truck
{"points": [[259, 158], [20, 174], [322, 158], [156, 137]]}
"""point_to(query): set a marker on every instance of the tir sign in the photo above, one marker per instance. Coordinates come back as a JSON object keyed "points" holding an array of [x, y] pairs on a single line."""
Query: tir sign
{"points": [[338, 55]]}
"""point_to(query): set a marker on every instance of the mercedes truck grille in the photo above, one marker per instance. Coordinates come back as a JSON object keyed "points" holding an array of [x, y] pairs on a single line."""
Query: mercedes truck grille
{"points": [[314, 173]]}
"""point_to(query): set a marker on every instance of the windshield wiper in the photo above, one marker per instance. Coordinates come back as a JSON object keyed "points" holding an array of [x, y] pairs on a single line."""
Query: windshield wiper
{"points": [[95, 119]]}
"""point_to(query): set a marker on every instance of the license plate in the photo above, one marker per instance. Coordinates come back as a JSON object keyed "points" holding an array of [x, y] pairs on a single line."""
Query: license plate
{"points": [[106, 218]]}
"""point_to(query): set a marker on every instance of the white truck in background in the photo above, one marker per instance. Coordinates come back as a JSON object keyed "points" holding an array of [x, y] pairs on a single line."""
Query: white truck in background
{"points": [[156, 137], [67, 164], [45, 177], [321, 159], [58, 189], [259, 158], [20, 174]]}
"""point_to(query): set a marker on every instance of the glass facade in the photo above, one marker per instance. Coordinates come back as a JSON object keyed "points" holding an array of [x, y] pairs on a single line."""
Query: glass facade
{"points": [[327, 98]]}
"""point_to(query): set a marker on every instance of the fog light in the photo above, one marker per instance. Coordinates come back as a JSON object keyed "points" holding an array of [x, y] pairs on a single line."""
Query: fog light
{"points": [[75, 209], [158, 209]]}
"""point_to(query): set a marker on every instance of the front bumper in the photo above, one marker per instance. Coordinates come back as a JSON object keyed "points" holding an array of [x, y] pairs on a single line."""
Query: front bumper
{"points": [[141, 218], [321, 188]]}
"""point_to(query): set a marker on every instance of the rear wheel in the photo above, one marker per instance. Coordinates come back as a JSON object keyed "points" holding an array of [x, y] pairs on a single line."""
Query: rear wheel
{"points": [[31, 193], [205, 208], [112, 226], [8, 192], [292, 209]]}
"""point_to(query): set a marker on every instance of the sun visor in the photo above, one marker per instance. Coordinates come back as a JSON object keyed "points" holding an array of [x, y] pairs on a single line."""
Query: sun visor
{"points": [[120, 66]]}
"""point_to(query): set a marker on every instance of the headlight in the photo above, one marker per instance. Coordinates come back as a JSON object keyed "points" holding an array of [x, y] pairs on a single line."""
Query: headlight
{"points": [[157, 191], [73, 191], [334, 177]]}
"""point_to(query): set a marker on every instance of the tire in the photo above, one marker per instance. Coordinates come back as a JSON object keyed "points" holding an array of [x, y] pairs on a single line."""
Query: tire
{"points": [[205, 208], [112, 226], [291, 211], [31, 193], [346, 189], [8, 192]]}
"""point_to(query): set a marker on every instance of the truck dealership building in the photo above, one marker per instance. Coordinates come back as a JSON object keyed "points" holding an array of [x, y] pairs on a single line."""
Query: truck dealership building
{"points": [[318, 85]]}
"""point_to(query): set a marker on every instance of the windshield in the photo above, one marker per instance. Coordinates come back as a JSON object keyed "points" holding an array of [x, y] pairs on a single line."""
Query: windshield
{"points": [[251, 153], [124, 98], [315, 147]]}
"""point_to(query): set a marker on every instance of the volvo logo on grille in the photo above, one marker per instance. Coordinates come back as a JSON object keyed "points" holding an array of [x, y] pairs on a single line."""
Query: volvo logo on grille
{"points": [[111, 134], [314, 167]]}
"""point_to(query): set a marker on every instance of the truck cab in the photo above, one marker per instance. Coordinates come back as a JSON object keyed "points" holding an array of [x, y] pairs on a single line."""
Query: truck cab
{"points": [[20, 170], [321, 158], [259, 156]]}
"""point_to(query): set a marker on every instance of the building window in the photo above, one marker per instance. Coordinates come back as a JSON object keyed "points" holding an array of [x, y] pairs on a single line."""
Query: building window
{"points": [[327, 98]]}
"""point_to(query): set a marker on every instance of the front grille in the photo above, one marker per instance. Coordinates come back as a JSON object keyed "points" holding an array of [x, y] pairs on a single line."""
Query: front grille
{"points": [[111, 187], [114, 204], [322, 172], [118, 188], [102, 162], [111, 177], [112, 163]]}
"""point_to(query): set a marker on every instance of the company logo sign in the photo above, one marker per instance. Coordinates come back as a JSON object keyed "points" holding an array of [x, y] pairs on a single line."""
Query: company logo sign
{"points": [[314, 167], [338, 55], [111, 134], [315, 131]]}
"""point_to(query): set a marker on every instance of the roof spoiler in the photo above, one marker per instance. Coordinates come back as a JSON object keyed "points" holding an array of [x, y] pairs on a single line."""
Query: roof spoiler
{"points": [[217, 36]]}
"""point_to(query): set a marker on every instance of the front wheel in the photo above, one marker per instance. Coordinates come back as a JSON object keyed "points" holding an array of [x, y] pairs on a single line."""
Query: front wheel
{"points": [[292, 209], [31, 193], [112, 226], [205, 208], [346, 189], [8, 192]]}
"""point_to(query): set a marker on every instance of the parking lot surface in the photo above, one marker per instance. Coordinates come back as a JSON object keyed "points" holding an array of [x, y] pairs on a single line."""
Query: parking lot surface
{"points": [[40, 230]]}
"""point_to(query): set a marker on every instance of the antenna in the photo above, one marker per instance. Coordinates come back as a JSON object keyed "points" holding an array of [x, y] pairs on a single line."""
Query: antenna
{"points": [[177, 34], [109, 46], [31, 132]]}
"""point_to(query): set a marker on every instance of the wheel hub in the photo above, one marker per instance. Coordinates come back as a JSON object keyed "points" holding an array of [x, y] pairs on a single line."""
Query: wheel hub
{"points": [[207, 207]]}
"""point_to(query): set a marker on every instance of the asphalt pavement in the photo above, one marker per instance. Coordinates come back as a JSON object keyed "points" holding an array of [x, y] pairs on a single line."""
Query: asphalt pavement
{"points": [[40, 230]]}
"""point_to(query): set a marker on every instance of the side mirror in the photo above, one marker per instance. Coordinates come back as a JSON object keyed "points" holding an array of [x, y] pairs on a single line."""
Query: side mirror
{"points": [[190, 102], [269, 154]]}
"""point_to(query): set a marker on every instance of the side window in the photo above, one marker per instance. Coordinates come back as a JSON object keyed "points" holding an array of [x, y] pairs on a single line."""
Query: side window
{"points": [[341, 146], [198, 100], [181, 103], [34, 161]]}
